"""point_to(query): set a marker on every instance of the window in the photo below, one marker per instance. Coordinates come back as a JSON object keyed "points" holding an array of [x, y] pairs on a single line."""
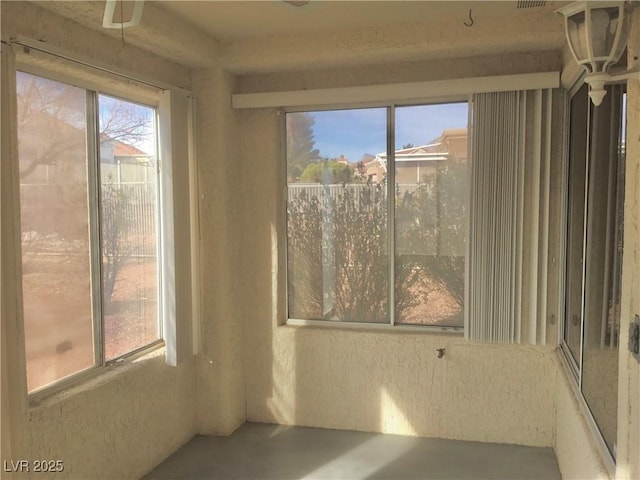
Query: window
{"points": [[377, 214], [89, 221], [594, 252]]}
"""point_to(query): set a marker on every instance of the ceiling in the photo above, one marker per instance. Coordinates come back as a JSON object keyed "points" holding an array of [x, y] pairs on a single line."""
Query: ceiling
{"points": [[248, 36], [240, 19]]}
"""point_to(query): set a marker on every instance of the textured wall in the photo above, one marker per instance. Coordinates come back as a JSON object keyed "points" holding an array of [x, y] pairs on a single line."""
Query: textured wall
{"points": [[629, 378], [366, 380], [427, 39], [221, 403], [394, 383], [119, 425], [25, 18], [123, 422], [417, 71]]}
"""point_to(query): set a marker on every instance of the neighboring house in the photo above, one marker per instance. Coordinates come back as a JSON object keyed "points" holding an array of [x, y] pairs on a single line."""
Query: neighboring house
{"points": [[53, 151], [53, 173], [413, 163], [123, 163]]}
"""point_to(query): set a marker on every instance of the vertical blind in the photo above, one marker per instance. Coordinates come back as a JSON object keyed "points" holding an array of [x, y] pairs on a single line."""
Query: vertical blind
{"points": [[506, 262]]}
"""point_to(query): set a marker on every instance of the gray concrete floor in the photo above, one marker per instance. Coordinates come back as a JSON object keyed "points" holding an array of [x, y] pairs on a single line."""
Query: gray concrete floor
{"points": [[261, 451]]}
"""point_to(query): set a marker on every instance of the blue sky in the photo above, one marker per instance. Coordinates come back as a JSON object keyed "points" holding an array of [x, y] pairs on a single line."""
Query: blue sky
{"points": [[353, 133]]}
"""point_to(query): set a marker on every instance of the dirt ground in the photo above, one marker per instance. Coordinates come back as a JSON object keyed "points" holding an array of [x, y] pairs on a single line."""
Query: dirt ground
{"points": [[436, 306], [58, 314]]}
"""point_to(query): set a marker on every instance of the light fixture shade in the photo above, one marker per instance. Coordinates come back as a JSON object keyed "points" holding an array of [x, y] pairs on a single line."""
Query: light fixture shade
{"points": [[596, 32], [597, 35]]}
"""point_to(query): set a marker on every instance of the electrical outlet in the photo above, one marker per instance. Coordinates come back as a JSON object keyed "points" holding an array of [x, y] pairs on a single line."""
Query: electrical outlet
{"points": [[634, 337]]}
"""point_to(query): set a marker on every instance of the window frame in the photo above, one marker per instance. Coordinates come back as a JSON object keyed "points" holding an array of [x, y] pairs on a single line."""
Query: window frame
{"points": [[574, 369], [92, 95], [145, 94], [390, 107]]}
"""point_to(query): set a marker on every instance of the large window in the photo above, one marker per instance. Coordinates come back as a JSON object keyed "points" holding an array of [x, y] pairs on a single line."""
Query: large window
{"points": [[88, 198], [377, 214], [594, 252]]}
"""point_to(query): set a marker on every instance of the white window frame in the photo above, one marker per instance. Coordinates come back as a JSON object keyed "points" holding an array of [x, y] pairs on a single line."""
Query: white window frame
{"points": [[574, 369], [177, 193]]}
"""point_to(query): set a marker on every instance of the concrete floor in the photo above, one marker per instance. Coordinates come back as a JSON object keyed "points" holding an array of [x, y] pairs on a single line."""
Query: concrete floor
{"points": [[261, 451]]}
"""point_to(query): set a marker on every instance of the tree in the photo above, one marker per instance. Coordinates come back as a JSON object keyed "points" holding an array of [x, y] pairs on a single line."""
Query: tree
{"points": [[328, 172], [52, 134], [117, 221], [51, 121], [360, 173], [338, 251], [300, 144], [338, 256], [431, 224]]}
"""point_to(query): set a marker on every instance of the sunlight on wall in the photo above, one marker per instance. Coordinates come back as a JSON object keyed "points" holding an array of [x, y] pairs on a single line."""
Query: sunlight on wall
{"points": [[281, 404], [392, 418]]}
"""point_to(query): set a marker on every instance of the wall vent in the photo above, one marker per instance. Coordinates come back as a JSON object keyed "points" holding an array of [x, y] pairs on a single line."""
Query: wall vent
{"points": [[531, 3]]}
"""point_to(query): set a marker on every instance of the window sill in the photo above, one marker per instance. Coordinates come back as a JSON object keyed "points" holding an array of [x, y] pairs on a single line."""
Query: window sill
{"points": [[94, 377], [373, 327]]}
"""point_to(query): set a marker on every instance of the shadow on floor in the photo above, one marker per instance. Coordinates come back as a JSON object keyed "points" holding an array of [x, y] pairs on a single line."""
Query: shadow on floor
{"points": [[261, 451]]}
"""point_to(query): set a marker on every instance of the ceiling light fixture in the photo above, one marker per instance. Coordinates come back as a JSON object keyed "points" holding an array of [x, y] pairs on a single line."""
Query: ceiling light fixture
{"points": [[597, 33], [110, 11]]}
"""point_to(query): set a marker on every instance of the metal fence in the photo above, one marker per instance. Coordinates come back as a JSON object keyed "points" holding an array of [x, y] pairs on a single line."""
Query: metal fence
{"points": [[358, 190], [54, 217], [140, 214]]}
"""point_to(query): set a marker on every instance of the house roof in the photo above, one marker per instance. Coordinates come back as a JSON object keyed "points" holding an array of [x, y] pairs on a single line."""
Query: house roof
{"points": [[125, 150], [436, 151]]}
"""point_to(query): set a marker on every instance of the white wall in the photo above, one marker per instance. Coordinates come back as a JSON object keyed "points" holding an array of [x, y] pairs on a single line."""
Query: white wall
{"points": [[366, 380], [221, 394], [131, 416], [123, 423], [629, 376], [119, 425]]}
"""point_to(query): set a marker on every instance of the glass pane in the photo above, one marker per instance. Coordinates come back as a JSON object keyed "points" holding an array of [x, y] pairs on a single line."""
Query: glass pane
{"points": [[337, 228], [431, 213], [128, 166], [603, 265], [576, 221], [56, 267]]}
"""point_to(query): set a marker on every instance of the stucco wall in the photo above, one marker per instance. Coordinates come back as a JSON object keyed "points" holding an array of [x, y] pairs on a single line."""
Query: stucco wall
{"points": [[220, 400], [629, 376], [123, 422], [371, 380], [394, 383], [117, 426]]}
